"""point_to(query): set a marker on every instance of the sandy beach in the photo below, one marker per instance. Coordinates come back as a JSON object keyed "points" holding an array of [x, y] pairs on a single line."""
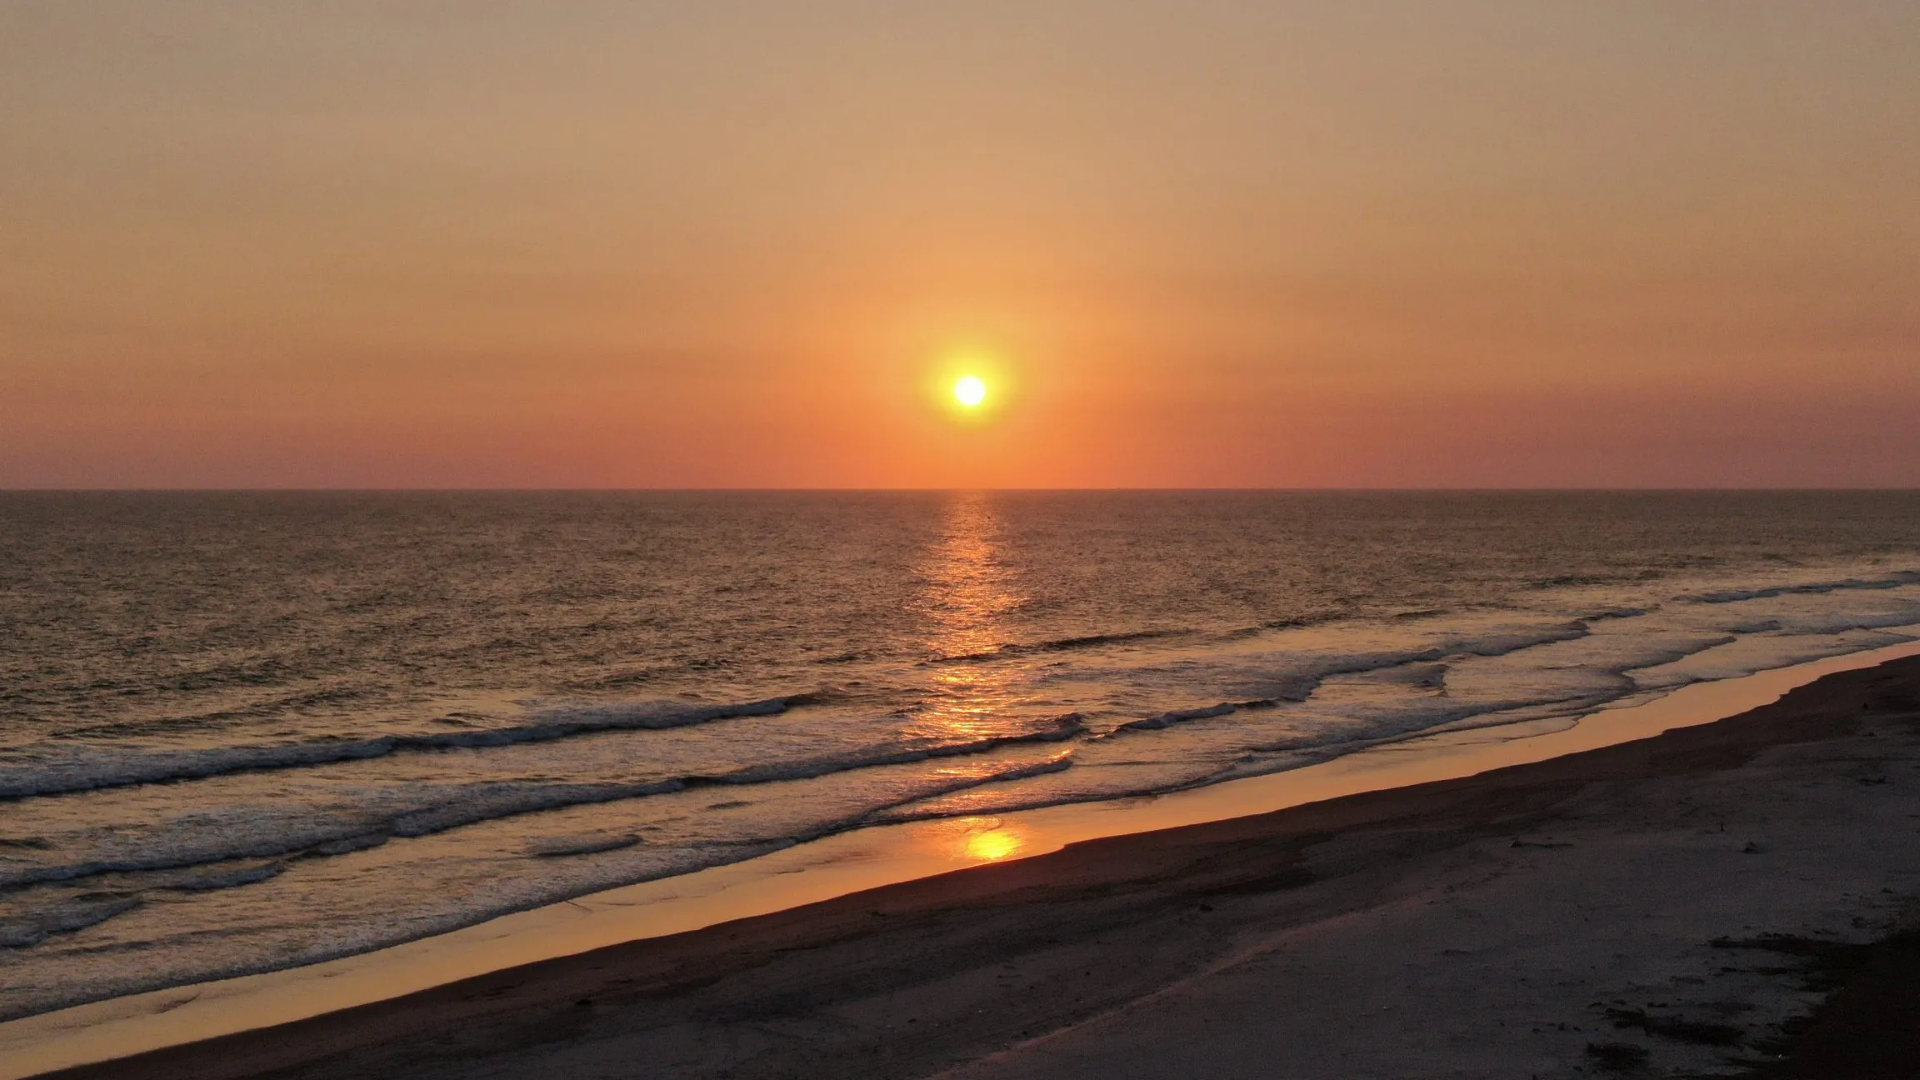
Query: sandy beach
{"points": [[1660, 906]]}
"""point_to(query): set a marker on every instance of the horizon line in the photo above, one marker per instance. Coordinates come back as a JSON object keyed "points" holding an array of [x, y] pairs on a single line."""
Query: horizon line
{"points": [[590, 490]]}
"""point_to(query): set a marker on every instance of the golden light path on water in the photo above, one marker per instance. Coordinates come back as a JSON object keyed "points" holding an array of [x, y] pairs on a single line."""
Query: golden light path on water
{"points": [[969, 593]]}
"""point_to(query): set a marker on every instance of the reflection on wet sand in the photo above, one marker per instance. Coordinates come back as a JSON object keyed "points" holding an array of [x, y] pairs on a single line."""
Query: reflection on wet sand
{"points": [[995, 844], [978, 839]]}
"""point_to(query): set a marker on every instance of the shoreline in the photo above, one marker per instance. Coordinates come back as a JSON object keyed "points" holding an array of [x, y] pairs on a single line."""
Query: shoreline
{"points": [[809, 882]]}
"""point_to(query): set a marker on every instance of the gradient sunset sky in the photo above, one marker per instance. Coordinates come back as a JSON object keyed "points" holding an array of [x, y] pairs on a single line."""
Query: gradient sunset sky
{"points": [[717, 244]]}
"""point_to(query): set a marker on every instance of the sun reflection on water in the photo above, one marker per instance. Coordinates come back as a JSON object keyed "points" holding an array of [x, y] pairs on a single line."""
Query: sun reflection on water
{"points": [[969, 595], [979, 696]]}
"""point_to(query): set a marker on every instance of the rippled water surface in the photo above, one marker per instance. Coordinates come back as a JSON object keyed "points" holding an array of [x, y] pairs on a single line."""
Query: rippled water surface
{"points": [[245, 731]]}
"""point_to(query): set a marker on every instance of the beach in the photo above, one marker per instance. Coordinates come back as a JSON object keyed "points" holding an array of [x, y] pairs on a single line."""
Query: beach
{"points": [[1627, 907], [408, 716], [979, 542]]}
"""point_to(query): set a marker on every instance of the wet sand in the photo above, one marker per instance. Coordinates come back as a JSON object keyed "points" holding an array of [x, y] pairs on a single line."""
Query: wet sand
{"points": [[1625, 907]]}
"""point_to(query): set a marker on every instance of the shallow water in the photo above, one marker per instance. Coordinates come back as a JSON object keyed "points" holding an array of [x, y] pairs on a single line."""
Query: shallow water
{"points": [[245, 731]]}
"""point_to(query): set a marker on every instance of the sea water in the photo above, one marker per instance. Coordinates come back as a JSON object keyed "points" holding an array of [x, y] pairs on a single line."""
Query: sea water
{"points": [[241, 732]]}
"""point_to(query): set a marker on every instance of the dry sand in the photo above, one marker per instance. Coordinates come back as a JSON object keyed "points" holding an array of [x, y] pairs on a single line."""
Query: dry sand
{"points": [[1603, 911]]}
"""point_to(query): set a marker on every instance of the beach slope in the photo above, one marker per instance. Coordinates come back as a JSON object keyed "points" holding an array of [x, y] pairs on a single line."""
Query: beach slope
{"points": [[1662, 904]]}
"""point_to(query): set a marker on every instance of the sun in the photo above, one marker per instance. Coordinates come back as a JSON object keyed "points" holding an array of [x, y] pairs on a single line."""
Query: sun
{"points": [[970, 391]]}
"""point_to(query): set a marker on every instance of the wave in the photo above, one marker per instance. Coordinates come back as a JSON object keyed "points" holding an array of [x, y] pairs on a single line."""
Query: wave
{"points": [[108, 768], [1095, 641], [562, 846], [1734, 596], [891, 813], [69, 914], [1060, 728], [1301, 683], [1615, 613], [210, 879], [26, 931], [1561, 581], [1179, 716], [1065, 644], [65, 916], [1297, 622], [210, 863], [484, 802], [1294, 753], [215, 720]]}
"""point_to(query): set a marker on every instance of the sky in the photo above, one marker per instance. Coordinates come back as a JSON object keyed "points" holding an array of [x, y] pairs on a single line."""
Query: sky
{"points": [[1207, 243]]}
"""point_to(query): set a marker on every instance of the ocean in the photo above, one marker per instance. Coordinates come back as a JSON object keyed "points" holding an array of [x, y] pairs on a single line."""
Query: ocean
{"points": [[246, 731]]}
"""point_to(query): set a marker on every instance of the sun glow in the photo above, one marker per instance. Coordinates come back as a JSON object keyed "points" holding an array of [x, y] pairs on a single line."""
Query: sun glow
{"points": [[970, 391], [971, 385], [992, 846]]}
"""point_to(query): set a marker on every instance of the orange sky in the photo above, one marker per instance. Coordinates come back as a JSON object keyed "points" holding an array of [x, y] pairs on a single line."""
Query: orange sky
{"points": [[1212, 243]]}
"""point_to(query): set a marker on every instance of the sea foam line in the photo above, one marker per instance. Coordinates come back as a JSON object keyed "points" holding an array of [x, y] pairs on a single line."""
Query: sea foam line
{"points": [[494, 801], [108, 767]]}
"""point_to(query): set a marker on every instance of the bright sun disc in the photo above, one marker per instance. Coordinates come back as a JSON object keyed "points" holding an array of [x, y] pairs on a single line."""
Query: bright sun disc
{"points": [[970, 391]]}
